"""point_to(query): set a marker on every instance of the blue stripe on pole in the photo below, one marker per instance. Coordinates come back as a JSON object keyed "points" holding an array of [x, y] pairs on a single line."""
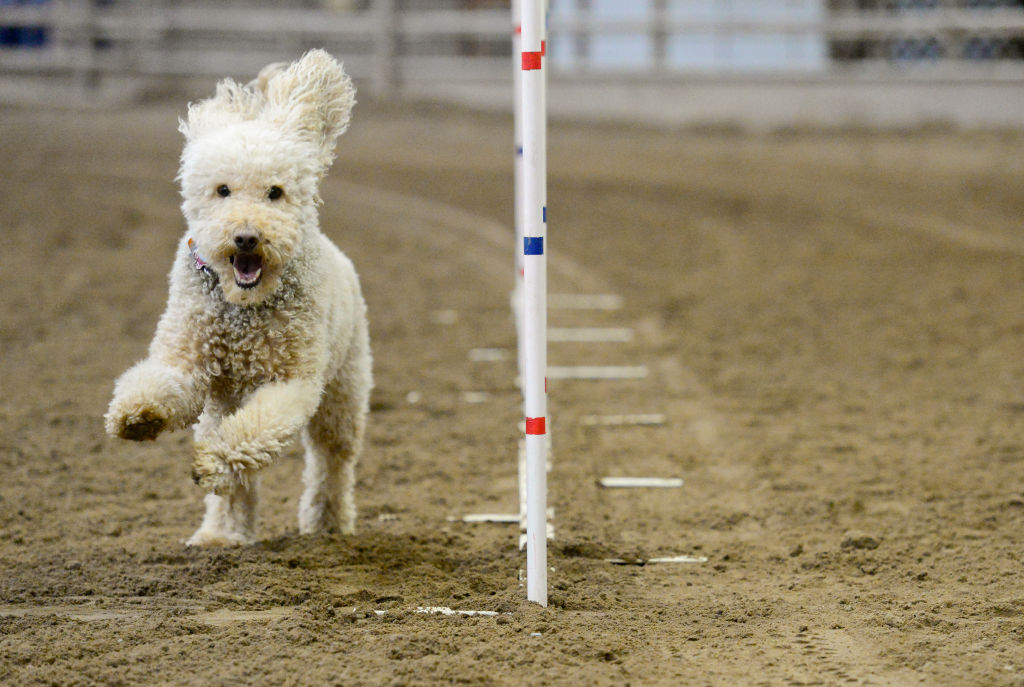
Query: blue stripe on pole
{"points": [[533, 245], [519, 151], [544, 214]]}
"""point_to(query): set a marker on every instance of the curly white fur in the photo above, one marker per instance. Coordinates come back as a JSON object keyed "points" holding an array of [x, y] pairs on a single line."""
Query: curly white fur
{"points": [[269, 341]]}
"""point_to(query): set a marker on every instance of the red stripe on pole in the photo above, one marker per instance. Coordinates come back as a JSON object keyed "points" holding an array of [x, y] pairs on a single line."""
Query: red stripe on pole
{"points": [[519, 29], [535, 425], [543, 48], [532, 60]]}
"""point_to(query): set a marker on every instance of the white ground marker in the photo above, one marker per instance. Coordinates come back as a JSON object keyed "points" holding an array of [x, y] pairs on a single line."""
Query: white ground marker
{"points": [[444, 610], [498, 518], [590, 334], [445, 317], [679, 559], [440, 610], [585, 301], [598, 372], [488, 355], [642, 419], [647, 561], [640, 482]]}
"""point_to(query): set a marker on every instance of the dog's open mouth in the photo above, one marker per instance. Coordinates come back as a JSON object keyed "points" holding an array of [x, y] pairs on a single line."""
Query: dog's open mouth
{"points": [[248, 269]]}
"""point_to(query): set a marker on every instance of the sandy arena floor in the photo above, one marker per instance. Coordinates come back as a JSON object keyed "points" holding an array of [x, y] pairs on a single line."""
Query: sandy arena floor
{"points": [[833, 326]]}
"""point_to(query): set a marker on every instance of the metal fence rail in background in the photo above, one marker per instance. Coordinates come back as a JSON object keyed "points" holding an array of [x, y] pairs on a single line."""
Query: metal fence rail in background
{"points": [[81, 49]]}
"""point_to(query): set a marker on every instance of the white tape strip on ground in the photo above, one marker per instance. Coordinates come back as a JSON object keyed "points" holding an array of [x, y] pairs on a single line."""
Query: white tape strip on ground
{"points": [[443, 610], [640, 482], [669, 559], [590, 334], [584, 301], [500, 518], [488, 355], [646, 419], [610, 372]]}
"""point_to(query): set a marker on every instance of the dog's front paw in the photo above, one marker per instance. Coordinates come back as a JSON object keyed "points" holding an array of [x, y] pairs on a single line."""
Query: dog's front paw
{"points": [[142, 424], [213, 482], [211, 473], [214, 473]]}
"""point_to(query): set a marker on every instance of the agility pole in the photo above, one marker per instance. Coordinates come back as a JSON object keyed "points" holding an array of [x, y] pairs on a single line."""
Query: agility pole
{"points": [[518, 310], [533, 339]]}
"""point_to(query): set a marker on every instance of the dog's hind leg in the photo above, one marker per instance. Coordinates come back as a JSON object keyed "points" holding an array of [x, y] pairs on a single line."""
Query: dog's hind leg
{"points": [[333, 441], [327, 502]]}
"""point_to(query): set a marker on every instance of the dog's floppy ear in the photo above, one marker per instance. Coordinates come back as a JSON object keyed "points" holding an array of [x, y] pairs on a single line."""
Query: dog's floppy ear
{"points": [[312, 96], [265, 75], [231, 103]]}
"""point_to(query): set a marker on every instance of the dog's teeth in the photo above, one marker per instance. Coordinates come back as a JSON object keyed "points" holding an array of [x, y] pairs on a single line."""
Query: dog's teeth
{"points": [[248, 281]]}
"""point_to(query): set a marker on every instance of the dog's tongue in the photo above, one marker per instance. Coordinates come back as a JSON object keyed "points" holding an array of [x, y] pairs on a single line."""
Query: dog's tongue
{"points": [[248, 265]]}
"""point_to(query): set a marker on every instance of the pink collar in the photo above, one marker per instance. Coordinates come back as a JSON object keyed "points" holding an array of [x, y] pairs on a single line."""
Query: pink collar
{"points": [[199, 263]]}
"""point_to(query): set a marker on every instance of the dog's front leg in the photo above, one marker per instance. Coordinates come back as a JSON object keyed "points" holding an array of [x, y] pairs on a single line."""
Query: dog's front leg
{"points": [[166, 390], [254, 435], [150, 397]]}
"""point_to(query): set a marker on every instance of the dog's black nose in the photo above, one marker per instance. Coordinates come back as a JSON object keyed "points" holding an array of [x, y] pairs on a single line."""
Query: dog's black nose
{"points": [[246, 242]]}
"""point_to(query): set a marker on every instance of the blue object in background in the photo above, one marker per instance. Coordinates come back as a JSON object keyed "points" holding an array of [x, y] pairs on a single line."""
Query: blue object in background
{"points": [[23, 36]]}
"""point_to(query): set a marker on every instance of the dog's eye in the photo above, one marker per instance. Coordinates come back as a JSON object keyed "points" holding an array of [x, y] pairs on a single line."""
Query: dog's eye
{"points": [[223, 191], [275, 192]]}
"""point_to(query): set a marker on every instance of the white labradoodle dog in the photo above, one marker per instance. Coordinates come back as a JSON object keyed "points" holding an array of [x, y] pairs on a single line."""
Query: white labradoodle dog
{"points": [[265, 336]]}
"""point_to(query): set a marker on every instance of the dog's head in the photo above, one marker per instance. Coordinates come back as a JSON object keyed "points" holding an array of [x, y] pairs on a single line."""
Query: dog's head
{"points": [[250, 172]]}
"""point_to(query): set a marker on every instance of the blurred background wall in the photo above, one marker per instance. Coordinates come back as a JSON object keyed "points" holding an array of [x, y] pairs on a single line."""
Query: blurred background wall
{"points": [[750, 63]]}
